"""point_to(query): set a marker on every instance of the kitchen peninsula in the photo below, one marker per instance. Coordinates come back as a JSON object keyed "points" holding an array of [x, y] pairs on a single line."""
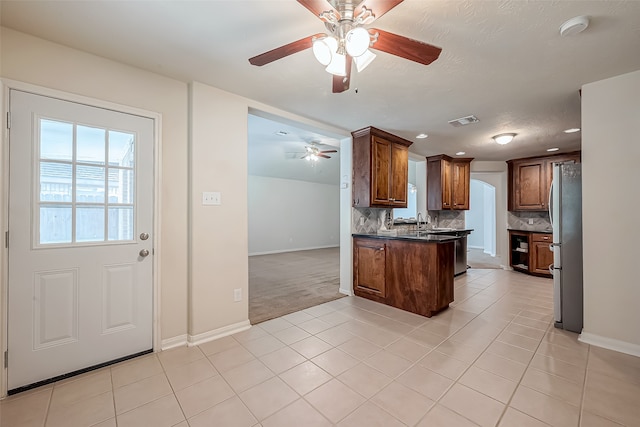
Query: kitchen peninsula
{"points": [[412, 271]]}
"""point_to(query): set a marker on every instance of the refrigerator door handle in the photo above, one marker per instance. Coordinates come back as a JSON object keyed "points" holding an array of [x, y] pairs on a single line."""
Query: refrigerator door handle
{"points": [[550, 205]]}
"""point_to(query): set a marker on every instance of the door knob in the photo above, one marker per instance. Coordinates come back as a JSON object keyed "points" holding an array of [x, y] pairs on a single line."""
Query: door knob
{"points": [[144, 236], [144, 253]]}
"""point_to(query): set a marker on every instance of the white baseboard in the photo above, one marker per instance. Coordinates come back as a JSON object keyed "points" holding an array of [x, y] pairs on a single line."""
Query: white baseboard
{"points": [[280, 251], [174, 342], [610, 343], [347, 292], [475, 247], [218, 333]]}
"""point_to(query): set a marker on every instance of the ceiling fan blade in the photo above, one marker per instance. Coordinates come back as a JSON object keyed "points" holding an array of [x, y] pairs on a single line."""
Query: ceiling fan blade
{"points": [[328, 151], [341, 83], [322, 155], [405, 47], [318, 6], [282, 51], [378, 7]]}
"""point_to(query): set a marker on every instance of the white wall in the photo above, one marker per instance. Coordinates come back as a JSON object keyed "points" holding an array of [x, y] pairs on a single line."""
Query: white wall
{"points": [[32, 60], [475, 216], [204, 148], [495, 174], [287, 215], [489, 225], [610, 177]]}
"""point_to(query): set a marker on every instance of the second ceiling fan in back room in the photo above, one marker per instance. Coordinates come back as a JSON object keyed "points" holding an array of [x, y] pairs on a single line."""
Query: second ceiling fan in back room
{"points": [[314, 153], [349, 41]]}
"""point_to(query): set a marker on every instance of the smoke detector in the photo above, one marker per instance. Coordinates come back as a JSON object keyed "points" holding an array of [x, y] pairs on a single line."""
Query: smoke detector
{"points": [[574, 26]]}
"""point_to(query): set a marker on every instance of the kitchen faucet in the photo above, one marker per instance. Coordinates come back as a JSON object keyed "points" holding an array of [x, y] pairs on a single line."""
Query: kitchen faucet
{"points": [[419, 221]]}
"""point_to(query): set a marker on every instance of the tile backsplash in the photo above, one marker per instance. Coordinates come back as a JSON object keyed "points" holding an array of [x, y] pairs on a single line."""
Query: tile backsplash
{"points": [[367, 220], [449, 219], [520, 221]]}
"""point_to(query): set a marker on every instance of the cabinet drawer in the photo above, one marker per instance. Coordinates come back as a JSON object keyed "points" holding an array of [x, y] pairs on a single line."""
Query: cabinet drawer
{"points": [[539, 237]]}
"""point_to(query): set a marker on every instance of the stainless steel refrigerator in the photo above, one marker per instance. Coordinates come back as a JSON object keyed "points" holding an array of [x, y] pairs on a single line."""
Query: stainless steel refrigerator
{"points": [[565, 211]]}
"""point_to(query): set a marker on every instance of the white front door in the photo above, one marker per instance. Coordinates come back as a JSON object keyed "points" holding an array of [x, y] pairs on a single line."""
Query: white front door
{"points": [[80, 237]]}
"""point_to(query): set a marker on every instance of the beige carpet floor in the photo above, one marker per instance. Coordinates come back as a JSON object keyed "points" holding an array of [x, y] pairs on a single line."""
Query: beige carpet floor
{"points": [[476, 258], [280, 284]]}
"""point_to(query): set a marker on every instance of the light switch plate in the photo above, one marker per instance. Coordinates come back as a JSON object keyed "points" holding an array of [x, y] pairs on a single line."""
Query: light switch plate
{"points": [[211, 198]]}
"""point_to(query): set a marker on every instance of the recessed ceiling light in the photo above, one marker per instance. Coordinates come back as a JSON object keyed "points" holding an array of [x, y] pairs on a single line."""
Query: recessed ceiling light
{"points": [[553, 149], [460, 153], [422, 136], [282, 133], [572, 130]]}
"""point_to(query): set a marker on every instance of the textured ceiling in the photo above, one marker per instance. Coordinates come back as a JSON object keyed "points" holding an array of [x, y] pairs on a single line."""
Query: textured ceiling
{"points": [[503, 61]]}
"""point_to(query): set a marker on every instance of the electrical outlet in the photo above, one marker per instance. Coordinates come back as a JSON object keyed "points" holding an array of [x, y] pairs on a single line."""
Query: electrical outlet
{"points": [[237, 294], [530, 221], [361, 221]]}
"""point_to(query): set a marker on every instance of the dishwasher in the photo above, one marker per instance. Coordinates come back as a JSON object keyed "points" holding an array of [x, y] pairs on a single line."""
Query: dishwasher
{"points": [[460, 252], [460, 259]]}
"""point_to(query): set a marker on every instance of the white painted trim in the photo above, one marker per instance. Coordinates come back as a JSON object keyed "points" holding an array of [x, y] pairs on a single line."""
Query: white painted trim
{"points": [[292, 250], [347, 292], [346, 241], [4, 215], [610, 343], [218, 333], [169, 343], [476, 247], [5, 86]]}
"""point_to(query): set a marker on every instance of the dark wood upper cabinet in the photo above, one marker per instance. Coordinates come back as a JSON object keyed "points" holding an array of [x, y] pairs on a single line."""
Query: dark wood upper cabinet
{"points": [[448, 183], [530, 179], [380, 169]]}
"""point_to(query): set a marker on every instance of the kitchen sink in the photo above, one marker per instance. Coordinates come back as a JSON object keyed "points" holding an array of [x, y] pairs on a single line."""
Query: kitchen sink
{"points": [[441, 229]]}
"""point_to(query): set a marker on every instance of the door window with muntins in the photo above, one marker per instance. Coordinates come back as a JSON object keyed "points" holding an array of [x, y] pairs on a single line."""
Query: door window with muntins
{"points": [[85, 184]]}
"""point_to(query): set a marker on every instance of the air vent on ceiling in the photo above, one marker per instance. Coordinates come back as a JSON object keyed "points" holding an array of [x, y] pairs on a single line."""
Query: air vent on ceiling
{"points": [[463, 121]]}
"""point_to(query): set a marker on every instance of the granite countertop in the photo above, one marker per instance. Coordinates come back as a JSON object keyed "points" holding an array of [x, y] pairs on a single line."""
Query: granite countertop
{"points": [[546, 231], [421, 236]]}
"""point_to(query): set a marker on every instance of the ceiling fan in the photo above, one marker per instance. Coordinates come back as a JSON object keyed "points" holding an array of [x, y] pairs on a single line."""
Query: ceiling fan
{"points": [[314, 153], [349, 41]]}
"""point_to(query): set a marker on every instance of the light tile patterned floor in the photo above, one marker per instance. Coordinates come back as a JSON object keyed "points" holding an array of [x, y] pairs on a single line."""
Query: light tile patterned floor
{"points": [[493, 358]]}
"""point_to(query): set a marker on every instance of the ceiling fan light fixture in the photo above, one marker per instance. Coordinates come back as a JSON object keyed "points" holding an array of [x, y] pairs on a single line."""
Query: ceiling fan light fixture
{"points": [[504, 138], [338, 65], [357, 41], [363, 60], [324, 49]]}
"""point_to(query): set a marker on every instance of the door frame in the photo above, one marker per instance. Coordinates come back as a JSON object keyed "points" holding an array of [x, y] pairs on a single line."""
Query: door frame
{"points": [[5, 86]]}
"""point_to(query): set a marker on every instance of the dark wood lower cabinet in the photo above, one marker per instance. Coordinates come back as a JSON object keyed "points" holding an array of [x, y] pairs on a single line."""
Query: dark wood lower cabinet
{"points": [[541, 255], [416, 276], [530, 252]]}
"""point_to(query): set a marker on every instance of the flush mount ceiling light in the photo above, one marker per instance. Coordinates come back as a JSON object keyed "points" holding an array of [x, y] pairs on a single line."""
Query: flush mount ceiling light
{"points": [[572, 130], [553, 149], [574, 26], [347, 41], [422, 136], [504, 138], [460, 153]]}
